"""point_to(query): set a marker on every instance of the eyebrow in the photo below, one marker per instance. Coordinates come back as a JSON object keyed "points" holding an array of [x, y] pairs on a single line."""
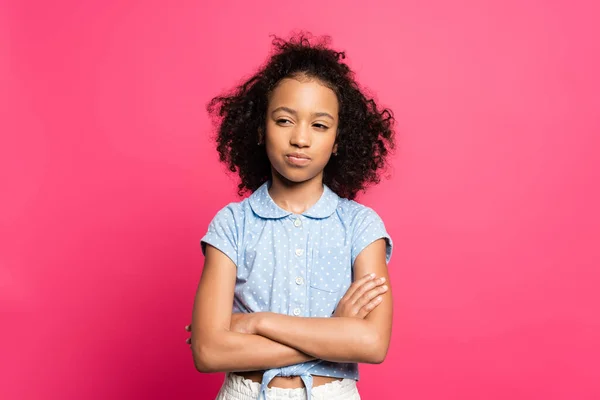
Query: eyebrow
{"points": [[295, 113]]}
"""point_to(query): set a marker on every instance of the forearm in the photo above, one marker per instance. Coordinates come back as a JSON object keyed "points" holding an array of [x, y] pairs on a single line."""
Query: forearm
{"points": [[229, 351], [335, 339]]}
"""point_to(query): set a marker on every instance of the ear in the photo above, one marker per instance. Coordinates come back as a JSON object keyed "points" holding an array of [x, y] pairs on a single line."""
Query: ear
{"points": [[335, 149]]}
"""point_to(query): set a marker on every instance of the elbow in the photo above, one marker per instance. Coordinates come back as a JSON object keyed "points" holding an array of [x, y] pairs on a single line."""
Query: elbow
{"points": [[376, 349], [204, 358], [378, 355], [203, 366]]}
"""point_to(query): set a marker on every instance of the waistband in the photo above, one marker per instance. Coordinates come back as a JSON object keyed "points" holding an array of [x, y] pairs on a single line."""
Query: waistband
{"points": [[240, 388]]}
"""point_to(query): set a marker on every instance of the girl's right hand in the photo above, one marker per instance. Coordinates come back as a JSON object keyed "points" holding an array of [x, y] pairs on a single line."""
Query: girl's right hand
{"points": [[361, 297]]}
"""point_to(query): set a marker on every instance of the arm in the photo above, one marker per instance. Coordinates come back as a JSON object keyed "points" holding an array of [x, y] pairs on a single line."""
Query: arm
{"points": [[339, 339], [215, 347]]}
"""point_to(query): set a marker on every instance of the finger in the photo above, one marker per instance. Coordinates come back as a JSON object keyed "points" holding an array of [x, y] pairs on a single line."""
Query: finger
{"points": [[357, 284], [362, 313], [349, 298], [371, 306], [364, 288], [370, 295]]}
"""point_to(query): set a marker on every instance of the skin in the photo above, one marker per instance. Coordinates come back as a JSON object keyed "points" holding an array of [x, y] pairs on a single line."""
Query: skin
{"points": [[302, 117], [301, 120]]}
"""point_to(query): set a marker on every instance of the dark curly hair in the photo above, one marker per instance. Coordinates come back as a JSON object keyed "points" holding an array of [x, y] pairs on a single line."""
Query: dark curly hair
{"points": [[365, 133]]}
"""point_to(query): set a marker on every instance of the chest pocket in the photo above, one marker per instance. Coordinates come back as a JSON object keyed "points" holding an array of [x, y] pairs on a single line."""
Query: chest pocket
{"points": [[330, 270]]}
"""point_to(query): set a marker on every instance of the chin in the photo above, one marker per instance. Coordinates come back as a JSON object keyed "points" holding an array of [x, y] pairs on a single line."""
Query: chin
{"points": [[294, 175], [296, 178]]}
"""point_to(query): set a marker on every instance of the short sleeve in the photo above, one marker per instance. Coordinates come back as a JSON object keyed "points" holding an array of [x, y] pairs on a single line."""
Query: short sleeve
{"points": [[368, 228], [222, 233]]}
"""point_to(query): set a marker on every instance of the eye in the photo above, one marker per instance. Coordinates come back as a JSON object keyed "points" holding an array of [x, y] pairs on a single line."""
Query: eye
{"points": [[321, 126], [283, 121]]}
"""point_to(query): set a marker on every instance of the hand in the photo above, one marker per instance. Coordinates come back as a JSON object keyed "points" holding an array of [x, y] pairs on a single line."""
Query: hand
{"points": [[361, 297], [188, 328]]}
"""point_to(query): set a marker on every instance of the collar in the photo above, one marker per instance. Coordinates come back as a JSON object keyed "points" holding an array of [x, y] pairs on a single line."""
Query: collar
{"points": [[263, 205]]}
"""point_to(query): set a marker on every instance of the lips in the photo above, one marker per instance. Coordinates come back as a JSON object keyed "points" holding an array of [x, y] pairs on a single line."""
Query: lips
{"points": [[299, 155], [297, 158]]}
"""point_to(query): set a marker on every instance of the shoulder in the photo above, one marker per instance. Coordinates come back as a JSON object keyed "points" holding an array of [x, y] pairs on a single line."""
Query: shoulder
{"points": [[232, 212], [231, 218], [225, 229], [365, 226], [355, 213]]}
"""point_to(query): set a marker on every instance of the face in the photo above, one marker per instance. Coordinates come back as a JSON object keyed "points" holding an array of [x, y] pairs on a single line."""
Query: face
{"points": [[301, 126]]}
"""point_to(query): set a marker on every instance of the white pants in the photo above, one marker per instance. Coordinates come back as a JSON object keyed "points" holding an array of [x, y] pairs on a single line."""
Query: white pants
{"points": [[236, 387]]}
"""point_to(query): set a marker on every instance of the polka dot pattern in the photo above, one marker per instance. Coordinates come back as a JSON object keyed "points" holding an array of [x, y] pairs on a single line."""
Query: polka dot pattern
{"points": [[295, 264]]}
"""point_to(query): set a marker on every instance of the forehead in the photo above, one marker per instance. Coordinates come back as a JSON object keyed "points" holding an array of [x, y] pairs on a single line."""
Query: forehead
{"points": [[304, 94]]}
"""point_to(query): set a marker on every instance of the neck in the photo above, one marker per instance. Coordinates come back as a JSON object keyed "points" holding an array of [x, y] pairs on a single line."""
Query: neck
{"points": [[295, 197]]}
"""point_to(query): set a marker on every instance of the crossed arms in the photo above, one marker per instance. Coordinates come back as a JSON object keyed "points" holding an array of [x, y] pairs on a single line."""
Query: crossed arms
{"points": [[359, 330]]}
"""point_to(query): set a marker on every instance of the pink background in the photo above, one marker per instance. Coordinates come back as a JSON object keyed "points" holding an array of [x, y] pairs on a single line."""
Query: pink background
{"points": [[108, 180]]}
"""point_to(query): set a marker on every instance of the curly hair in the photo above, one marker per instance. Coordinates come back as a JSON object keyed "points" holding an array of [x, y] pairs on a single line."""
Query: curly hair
{"points": [[365, 133]]}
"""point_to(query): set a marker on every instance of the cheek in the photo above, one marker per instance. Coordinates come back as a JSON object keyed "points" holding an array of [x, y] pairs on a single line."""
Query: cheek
{"points": [[274, 144], [272, 141], [277, 137], [326, 146]]}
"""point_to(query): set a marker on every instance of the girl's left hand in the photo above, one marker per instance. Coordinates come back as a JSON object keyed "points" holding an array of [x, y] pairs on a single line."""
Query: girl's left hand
{"points": [[244, 323], [188, 328]]}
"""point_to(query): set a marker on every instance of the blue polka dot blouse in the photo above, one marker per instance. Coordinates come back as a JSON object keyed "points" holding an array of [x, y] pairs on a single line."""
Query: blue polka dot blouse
{"points": [[295, 264]]}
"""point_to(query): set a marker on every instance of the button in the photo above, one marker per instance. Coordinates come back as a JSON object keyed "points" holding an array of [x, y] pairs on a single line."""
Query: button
{"points": [[299, 280], [297, 222], [297, 311], [299, 252]]}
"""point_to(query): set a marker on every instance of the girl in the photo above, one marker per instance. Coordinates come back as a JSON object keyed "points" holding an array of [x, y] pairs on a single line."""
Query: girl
{"points": [[304, 265]]}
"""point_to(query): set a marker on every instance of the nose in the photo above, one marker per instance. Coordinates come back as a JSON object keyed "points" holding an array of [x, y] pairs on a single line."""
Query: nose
{"points": [[300, 136]]}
